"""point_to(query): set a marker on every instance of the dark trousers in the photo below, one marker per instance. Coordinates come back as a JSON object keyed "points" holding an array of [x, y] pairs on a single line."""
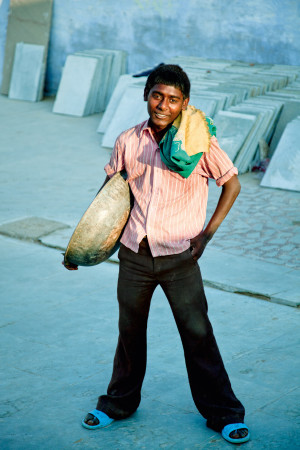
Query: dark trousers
{"points": [[180, 278]]}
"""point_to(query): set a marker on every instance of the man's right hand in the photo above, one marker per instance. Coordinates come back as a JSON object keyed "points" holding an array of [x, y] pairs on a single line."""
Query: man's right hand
{"points": [[198, 244], [69, 265]]}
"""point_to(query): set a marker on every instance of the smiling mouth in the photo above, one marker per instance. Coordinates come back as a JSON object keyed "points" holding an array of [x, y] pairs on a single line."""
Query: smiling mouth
{"points": [[160, 116]]}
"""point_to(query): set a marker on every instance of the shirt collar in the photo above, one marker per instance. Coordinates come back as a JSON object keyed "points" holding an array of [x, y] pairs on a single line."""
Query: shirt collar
{"points": [[145, 126]]}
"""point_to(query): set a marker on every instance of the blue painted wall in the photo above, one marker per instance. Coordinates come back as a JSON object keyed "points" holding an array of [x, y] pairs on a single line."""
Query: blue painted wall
{"points": [[4, 7], [264, 31]]}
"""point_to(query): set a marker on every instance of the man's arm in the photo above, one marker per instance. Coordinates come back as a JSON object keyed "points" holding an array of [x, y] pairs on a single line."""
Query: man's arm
{"points": [[230, 191]]}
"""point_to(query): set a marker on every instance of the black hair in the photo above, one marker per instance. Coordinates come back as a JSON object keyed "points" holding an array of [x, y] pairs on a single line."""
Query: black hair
{"points": [[170, 75]]}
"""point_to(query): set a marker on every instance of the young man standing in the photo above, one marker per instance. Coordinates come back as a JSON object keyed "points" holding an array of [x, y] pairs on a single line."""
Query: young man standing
{"points": [[168, 160]]}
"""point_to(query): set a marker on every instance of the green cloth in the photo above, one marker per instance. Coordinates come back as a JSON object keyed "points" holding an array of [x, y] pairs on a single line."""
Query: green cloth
{"points": [[173, 155]]}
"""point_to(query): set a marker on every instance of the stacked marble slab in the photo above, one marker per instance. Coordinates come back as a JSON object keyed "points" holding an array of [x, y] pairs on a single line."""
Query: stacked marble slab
{"points": [[28, 73], [265, 113], [253, 118], [241, 98], [284, 168], [291, 109], [126, 108], [27, 39], [88, 81]]}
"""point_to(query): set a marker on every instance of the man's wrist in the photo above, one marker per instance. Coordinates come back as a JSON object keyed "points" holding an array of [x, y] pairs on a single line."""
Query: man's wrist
{"points": [[206, 235]]}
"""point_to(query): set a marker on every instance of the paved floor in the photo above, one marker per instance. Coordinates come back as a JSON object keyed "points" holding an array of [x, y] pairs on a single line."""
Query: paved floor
{"points": [[264, 224], [58, 329]]}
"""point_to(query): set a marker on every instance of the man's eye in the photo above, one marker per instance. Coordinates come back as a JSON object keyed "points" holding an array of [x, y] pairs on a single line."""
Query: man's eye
{"points": [[156, 96]]}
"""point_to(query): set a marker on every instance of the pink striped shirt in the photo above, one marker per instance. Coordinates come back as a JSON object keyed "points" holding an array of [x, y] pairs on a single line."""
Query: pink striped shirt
{"points": [[168, 208]]}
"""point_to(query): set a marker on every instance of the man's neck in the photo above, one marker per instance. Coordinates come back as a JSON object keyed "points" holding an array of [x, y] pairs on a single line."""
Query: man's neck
{"points": [[158, 134]]}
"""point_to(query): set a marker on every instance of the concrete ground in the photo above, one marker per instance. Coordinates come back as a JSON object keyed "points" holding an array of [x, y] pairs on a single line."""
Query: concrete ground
{"points": [[59, 329]]}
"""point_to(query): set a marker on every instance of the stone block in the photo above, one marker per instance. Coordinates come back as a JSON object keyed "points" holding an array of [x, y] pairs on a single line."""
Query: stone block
{"points": [[291, 109], [77, 86], [131, 110], [27, 80], [117, 68], [232, 130], [218, 97], [207, 105], [284, 168], [99, 86], [266, 117], [28, 22], [123, 82]]}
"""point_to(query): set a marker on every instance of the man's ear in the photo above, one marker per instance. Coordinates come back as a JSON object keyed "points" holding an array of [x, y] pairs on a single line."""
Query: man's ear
{"points": [[185, 103], [146, 93]]}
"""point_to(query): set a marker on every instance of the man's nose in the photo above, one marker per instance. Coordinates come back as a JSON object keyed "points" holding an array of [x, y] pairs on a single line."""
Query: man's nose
{"points": [[163, 104]]}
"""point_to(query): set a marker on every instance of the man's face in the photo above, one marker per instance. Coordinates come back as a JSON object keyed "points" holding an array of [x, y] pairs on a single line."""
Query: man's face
{"points": [[165, 103]]}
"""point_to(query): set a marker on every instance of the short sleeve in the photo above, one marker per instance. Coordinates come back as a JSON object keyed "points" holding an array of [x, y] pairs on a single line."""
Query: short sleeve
{"points": [[116, 163], [216, 164]]}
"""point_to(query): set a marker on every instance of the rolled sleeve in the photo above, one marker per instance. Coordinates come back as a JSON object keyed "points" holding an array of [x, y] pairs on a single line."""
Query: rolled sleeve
{"points": [[220, 181], [116, 163], [216, 164]]}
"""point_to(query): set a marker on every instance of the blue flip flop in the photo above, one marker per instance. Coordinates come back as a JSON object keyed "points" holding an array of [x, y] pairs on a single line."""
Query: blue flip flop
{"points": [[233, 427], [104, 420]]}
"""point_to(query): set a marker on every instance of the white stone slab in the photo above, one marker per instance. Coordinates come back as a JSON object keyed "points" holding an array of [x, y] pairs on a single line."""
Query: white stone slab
{"points": [[123, 82], [131, 110], [201, 63], [28, 73], [232, 130], [207, 105], [228, 99], [291, 109], [252, 88], [266, 117], [238, 93], [219, 97], [77, 79], [98, 87], [247, 153], [284, 168], [28, 21], [274, 106], [117, 68], [106, 74]]}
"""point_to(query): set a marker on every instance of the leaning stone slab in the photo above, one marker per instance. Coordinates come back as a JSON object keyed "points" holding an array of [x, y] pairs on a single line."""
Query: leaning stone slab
{"points": [[205, 104], [232, 130], [123, 82], [29, 22], [98, 88], [118, 67], [106, 74], [284, 168], [131, 110], [76, 85], [28, 73], [291, 109], [219, 97]]}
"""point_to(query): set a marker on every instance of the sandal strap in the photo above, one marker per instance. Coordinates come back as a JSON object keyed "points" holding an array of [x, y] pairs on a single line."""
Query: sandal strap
{"points": [[101, 416], [234, 426]]}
